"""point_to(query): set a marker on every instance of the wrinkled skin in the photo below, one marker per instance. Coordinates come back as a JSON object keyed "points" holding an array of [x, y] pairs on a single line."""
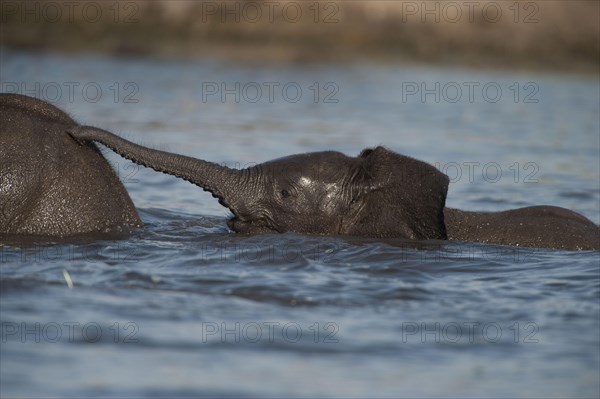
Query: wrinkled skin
{"points": [[377, 194], [49, 184]]}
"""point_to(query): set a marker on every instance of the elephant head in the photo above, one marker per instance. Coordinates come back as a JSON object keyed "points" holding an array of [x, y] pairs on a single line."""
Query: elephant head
{"points": [[379, 193]]}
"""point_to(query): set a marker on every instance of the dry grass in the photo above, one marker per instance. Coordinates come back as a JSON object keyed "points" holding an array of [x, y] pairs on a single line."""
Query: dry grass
{"points": [[544, 34]]}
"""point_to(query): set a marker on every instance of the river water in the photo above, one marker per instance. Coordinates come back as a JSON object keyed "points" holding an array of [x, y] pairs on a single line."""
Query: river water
{"points": [[184, 307]]}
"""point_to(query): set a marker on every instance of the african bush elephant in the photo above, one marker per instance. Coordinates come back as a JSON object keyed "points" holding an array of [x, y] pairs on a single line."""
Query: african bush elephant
{"points": [[49, 184], [377, 194]]}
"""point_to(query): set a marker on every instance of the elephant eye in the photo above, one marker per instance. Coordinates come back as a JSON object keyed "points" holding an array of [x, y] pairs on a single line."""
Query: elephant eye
{"points": [[285, 193]]}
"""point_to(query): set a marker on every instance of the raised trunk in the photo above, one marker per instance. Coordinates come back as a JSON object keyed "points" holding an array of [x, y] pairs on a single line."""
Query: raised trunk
{"points": [[224, 183]]}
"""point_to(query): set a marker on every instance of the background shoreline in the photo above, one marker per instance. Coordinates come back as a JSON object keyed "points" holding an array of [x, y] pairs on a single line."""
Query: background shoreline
{"points": [[539, 35]]}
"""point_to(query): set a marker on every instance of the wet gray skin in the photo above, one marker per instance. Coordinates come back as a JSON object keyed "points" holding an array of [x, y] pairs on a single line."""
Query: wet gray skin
{"points": [[49, 184]]}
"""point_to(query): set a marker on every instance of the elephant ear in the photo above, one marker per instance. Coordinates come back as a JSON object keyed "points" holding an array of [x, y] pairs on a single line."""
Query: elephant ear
{"points": [[402, 197]]}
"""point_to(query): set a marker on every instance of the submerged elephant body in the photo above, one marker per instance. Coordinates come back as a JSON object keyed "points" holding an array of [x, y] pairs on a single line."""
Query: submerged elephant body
{"points": [[533, 226], [378, 194], [49, 184]]}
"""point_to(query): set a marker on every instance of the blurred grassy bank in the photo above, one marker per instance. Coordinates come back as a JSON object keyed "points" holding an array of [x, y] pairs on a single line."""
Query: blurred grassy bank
{"points": [[560, 35]]}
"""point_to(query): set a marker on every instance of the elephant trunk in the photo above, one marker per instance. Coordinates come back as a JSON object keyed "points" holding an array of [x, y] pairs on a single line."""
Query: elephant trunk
{"points": [[223, 183]]}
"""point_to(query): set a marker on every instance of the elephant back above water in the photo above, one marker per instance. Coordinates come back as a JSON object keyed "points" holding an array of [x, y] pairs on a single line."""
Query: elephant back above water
{"points": [[378, 194], [49, 184]]}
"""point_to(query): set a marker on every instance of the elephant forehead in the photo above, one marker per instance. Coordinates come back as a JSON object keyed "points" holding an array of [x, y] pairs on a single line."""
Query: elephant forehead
{"points": [[308, 163], [310, 184], [311, 172], [309, 156], [322, 195]]}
